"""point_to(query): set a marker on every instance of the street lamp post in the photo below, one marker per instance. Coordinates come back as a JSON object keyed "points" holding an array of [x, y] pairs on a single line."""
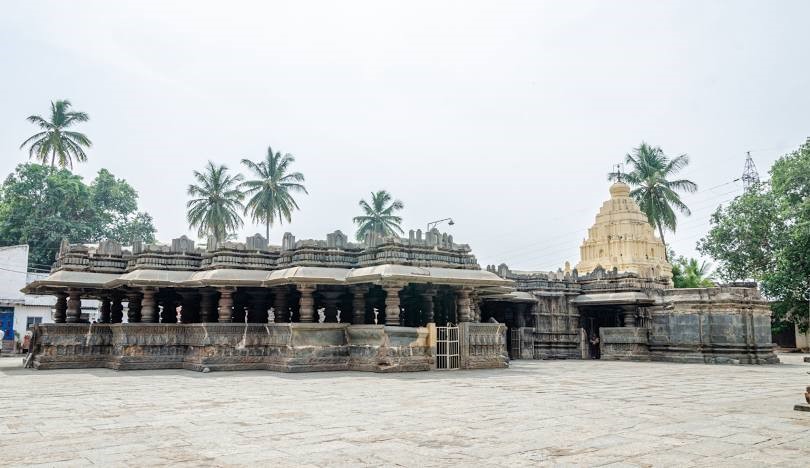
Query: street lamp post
{"points": [[450, 222]]}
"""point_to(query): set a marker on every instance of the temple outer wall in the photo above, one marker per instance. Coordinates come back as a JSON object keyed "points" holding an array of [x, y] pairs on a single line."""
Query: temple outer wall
{"points": [[725, 325], [282, 347], [728, 324], [624, 344], [483, 345], [558, 333]]}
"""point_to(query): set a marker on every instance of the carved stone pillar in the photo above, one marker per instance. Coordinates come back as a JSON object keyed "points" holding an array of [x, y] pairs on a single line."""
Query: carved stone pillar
{"points": [[149, 306], [281, 307], [133, 307], [359, 304], [104, 310], [427, 298], [463, 312], [629, 317], [74, 306], [208, 306], [116, 310], [331, 299], [392, 305], [257, 306], [225, 312], [190, 311], [60, 311], [475, 308], [306, 303]]}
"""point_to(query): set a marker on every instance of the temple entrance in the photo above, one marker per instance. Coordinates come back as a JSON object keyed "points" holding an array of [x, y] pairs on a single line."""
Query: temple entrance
{"points": [[515, 315], [447, 348], [592, 319]]}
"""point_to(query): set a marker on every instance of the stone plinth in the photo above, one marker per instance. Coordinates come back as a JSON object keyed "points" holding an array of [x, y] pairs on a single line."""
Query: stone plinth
{"points": [[556, 345], [72, 346], [379, 348], [483, 345], [624, 344], [284, 347], [726, 325]]}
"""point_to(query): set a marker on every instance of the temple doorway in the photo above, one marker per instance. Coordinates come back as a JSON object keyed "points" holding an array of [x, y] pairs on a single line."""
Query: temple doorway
{"points": [[594, 318], [514, 316]]}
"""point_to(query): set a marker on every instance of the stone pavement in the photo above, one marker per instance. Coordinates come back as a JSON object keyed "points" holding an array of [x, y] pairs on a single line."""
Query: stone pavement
{"points": [[535, 413]]}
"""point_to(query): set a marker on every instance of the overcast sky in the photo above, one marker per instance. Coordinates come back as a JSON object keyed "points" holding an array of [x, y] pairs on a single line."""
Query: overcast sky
{"points": [[506, 116]]}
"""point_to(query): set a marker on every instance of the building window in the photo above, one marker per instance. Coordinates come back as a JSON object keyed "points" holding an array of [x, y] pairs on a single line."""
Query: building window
{"points": [[32, 321]]}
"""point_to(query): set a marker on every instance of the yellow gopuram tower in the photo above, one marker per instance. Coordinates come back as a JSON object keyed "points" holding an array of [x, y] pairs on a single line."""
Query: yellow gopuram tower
{"points": [[622, 238]]}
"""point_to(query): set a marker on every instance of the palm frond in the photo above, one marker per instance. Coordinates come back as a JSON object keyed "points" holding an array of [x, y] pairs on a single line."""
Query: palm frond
{"points": [[656, 195]]}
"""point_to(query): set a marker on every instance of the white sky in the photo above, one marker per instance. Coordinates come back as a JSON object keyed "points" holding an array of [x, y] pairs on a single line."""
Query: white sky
{"points": [[504, 115]]}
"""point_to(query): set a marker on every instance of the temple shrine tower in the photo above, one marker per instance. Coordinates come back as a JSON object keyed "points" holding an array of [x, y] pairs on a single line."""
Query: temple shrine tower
{"points": [[622, 238]]}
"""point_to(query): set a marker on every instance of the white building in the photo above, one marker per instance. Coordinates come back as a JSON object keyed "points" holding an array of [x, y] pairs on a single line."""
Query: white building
{"points": [[19, 311]]}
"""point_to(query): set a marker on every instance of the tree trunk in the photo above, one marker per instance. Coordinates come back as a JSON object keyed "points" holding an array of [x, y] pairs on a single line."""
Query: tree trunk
{"points": [[267, 230], [666, 251]]}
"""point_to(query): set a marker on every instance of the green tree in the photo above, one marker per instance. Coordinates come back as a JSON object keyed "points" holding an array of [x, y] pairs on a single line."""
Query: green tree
{"points": [[656, 195], [55, 142], [40, 207], [764, 235], [378, 216], [688, 273], [214, 210], [270, 194]]}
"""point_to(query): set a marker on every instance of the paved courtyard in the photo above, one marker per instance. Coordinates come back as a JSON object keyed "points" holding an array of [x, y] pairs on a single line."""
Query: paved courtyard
{"points": [[537, 412]]}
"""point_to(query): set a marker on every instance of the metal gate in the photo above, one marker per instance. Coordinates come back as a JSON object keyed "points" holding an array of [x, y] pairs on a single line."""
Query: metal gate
{"points": [[515, 345], [447, 348]]}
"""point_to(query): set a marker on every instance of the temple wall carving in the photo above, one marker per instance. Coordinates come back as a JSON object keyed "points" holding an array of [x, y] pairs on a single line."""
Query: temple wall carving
{"points": [[291, 347]]}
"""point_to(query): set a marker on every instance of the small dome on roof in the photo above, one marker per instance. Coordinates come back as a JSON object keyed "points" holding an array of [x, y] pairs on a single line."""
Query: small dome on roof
{"points": [[619, 189]]}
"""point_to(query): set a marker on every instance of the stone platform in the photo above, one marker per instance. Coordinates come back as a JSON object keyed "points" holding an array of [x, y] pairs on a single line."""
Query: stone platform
{"points": [[535, 413], [282, 347]]}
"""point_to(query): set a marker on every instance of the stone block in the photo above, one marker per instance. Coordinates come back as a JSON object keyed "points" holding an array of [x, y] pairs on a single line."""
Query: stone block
{"points": [[624, 344]]}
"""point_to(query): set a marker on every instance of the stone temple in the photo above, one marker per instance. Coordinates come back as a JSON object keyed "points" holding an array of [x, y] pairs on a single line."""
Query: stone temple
{"points": [[388, 304]]}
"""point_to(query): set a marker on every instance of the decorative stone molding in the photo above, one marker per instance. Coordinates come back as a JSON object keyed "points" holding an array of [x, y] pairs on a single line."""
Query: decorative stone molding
{"points": [[435, 250]]}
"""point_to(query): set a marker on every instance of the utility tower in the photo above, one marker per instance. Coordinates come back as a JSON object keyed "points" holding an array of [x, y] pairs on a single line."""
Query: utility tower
{"points": [[750, 176]]}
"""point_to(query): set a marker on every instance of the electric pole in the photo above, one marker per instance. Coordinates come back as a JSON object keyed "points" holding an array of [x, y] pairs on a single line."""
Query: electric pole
{"points": [[750, 176]]}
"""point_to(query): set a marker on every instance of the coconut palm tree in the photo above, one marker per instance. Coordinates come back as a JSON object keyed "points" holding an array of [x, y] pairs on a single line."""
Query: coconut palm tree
{"points": [[379, 218], [688, 273], [271, 193], [217, 201], [55, 142], [657, 195]]}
